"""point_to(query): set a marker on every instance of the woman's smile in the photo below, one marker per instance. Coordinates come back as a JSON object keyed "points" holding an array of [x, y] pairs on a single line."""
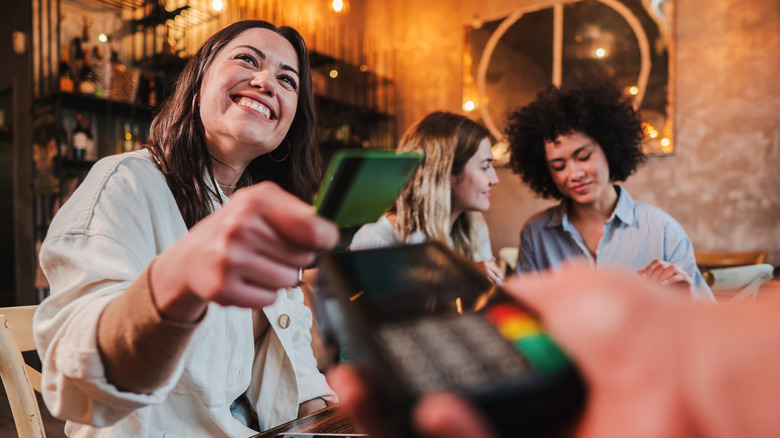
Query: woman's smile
{"points": [[256, 105]]}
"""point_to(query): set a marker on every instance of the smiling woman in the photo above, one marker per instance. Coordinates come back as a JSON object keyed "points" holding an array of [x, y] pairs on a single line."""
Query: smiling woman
{"points": [[447, 193], [248, 100], [171, 308], [574, 145]]}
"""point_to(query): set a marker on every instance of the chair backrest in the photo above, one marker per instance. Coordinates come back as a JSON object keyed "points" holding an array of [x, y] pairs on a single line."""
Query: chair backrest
{"points": [[745, 279], [19, 379], [728, 259]]}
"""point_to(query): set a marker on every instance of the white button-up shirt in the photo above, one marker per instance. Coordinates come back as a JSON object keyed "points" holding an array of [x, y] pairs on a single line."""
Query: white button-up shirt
{"points": [[101, 240]]}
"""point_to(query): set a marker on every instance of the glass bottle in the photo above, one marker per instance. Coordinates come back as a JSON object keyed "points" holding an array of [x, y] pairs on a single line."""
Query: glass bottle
{"points": [[79, 138], [77, 61], [66, 71], [87, 78], [90, 152]]}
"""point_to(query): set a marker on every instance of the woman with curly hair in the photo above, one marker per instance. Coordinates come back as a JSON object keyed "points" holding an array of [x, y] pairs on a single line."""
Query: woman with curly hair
{"points": [[574, 145], [445, 196]]}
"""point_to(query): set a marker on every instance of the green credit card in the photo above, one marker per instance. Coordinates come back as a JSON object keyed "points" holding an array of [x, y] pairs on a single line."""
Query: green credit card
{"points": [[361, 184]]}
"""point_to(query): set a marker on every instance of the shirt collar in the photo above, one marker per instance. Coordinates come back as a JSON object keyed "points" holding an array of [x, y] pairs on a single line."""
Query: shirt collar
{"points": [[624, 210]]}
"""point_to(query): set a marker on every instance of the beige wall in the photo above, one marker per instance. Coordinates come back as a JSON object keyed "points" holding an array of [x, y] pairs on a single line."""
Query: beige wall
{"points": [[723, 184]]}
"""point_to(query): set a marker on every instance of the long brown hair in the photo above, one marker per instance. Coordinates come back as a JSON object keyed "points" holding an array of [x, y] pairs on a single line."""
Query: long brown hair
{"points": [[448, 141], [178, 147]]}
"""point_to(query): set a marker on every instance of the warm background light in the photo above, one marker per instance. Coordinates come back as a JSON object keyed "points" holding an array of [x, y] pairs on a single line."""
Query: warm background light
{"points": [[650, 131], [217, 5], [469, 106], [666, 145], [633, 91], [600, 53], [334, 73], [338, 5]]}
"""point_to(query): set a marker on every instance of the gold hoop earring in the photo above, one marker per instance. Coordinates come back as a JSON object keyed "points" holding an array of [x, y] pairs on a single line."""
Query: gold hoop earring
{"points": [[285, 155]]}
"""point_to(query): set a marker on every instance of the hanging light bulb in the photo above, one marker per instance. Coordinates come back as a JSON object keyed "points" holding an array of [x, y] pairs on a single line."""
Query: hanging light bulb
{"points": [[217, 5]]}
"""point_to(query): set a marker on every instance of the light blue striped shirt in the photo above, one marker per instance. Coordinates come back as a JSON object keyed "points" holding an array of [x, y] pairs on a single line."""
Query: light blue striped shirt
{"points": [[634, 236]]}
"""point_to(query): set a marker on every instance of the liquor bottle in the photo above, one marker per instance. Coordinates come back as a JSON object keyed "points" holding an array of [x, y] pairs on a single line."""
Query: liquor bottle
{"points": [[77, 61], [87, 78], [90, 152], [79, 139], [66, 148], [66, 71]]}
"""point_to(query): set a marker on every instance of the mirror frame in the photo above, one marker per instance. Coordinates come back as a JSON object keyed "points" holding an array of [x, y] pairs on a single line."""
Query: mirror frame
{"points": [[656, 143]]}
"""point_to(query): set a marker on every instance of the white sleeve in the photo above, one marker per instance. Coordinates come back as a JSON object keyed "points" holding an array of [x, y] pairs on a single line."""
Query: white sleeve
{"points": [[380, 234], [99, 242]]}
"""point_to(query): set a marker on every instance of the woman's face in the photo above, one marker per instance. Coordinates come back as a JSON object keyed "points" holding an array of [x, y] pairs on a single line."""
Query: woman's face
{"points": [[249, 96], [579, 168], [471, 189]]}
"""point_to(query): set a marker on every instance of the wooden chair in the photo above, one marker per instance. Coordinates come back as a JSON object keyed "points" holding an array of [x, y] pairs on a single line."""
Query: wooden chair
{"points": [[745, 280], [19, 379], [710, 260]]}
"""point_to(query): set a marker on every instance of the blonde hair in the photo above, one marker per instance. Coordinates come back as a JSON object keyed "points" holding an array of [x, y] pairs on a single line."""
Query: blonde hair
{"points": [[447, 141]]}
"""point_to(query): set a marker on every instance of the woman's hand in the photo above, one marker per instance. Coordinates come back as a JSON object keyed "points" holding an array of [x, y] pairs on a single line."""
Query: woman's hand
{"points": [[491, 271], [666, 274], [240, 255]]}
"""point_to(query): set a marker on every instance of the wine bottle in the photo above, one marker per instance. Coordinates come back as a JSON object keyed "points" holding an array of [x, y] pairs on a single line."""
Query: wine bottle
{"points": [[66, 71], [77, 61], [66, 148], [87, 78], [79, 138], [90, 151]]}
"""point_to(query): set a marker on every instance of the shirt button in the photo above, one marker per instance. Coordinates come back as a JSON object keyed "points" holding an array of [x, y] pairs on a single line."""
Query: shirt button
{"points": [[284, 321]]}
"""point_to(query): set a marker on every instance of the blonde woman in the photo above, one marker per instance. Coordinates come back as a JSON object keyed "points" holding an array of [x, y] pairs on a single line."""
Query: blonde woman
{"points": [[446, 195]]}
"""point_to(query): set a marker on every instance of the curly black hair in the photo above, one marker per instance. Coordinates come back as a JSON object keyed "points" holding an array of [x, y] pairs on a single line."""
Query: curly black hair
{"points": [[597, 108]]}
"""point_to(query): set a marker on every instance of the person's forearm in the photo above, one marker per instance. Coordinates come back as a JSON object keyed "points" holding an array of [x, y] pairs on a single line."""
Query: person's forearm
{"points": [[731, 373], [139, 348]]}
